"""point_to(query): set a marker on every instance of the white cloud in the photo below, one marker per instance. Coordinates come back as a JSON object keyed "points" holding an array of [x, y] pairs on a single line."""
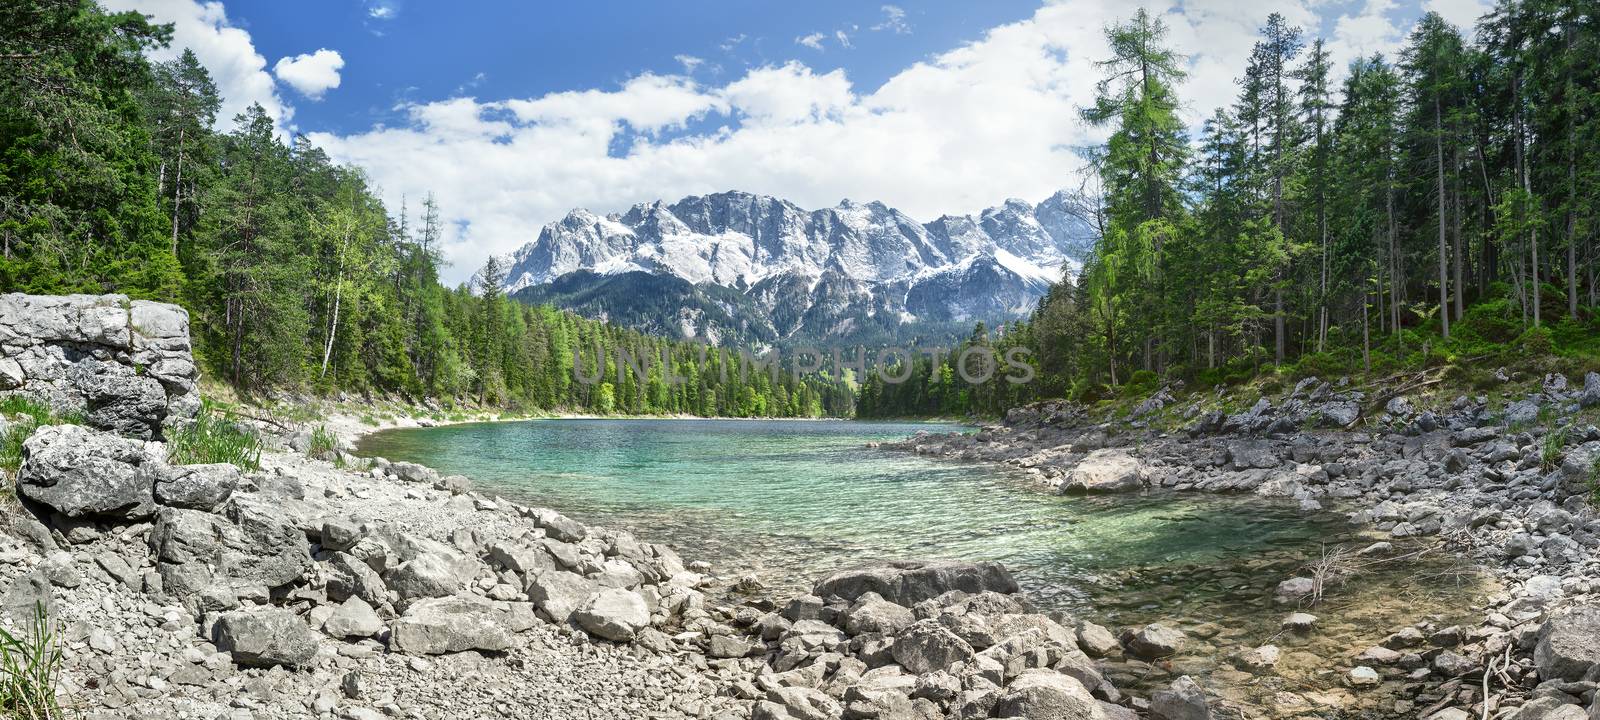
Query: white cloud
{"points": [[383, 9], [690, 63], [227, 51], [843, 38], [312, 74], [1463, 14], [813, 41], [1370, 31], [955, 133], [894, 19]]}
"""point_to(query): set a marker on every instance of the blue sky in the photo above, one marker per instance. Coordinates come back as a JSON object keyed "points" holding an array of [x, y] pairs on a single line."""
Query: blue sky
{"points": [[419, 50], [512, 114]]}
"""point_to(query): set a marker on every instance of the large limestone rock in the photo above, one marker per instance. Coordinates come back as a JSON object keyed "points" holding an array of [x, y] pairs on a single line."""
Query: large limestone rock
{"points": [[1106, 471], [909, 582], [1155, 641], [1567, 649], [1183, 700], [614, 614], [558, 593], [125, 365], [263, 638], [927, 646], [200, 487], [1041, 694], [875, 615], [451, 624], [80, 472], [246, 550]]}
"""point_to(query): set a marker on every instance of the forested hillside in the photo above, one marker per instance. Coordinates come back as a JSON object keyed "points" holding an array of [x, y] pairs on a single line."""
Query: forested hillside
{"points": [[1435, 208], [113, 178]]}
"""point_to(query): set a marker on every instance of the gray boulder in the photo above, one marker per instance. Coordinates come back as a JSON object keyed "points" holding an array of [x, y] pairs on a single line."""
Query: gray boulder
{"points": [[1154, 641], [354, 618], [558, 593], [247, 548], [875, 615], [200, 487], [1107, 470], [124, 364], [1183, 700], [346, 576], [613, 614], [435, 571], [264, 638], [1339, 413], [1248, 455], [1041, 694], [412, 472], [118, 399], [1567, 649], [1590, 396], [452, 624], [927, 646], [28, 595], [909, 582], [80, 472], [561, 527]]}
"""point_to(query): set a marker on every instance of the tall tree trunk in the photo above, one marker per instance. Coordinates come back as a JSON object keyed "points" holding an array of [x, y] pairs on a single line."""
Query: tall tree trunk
{"points": [[1444, 253], [1366, 335], [1459, 253], [338, 295], [177, 194]]}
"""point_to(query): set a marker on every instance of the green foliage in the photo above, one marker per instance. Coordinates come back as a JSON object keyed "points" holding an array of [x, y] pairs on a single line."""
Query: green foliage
{"points": [[1535, 341], [214, 437], [1551, 450], [30, 670], [324, 444], [26, 414]]}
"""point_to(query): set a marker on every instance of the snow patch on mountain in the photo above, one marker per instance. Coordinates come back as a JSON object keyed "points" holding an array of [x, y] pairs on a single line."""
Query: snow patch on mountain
{"points": [[821, 273]]}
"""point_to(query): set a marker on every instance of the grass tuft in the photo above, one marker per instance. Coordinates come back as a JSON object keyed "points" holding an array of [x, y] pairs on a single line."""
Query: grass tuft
{"points": [[26, 415], [30, 667], [214, 437], [1550, 450]]}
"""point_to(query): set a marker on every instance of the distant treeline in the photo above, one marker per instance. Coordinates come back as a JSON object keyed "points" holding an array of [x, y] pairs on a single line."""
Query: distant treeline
{"points": [[113, 179]]}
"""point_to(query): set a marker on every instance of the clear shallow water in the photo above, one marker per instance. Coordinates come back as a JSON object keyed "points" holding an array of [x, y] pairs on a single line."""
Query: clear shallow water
{"points": [[793, 500]]}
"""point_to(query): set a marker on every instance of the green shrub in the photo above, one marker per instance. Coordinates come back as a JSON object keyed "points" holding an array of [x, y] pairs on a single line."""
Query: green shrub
{"points": [[1141, 382], [214, 437], [26, 415], [30, 667], [1536, 341]]}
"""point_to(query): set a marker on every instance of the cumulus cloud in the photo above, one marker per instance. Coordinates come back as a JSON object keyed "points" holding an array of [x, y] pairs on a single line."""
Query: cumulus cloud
{"points": [[1463, 14], [954, 133], [312, 74], [894, 20], [227, 51], [813, 40]]}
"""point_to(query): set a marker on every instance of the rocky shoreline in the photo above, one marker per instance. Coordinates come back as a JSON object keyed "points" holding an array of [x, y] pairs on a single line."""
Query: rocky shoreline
{"points": [[1513, 495], [341, 587]]}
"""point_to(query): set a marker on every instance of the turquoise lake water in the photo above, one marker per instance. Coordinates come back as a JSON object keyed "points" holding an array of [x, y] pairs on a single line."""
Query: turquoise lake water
{"points": [[792, 500]]}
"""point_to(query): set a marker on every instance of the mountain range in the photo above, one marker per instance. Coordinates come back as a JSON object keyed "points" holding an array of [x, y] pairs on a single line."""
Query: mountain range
{"points": [[740, 268]]}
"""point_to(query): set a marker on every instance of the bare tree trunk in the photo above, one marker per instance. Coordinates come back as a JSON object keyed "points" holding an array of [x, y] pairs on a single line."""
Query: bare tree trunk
{"points": [[1444, 253], [177, 194], [338, 294]]}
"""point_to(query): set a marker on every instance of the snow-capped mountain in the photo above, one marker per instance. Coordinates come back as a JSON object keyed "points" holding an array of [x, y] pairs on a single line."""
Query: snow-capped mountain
{"points": [[735, 266]]}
